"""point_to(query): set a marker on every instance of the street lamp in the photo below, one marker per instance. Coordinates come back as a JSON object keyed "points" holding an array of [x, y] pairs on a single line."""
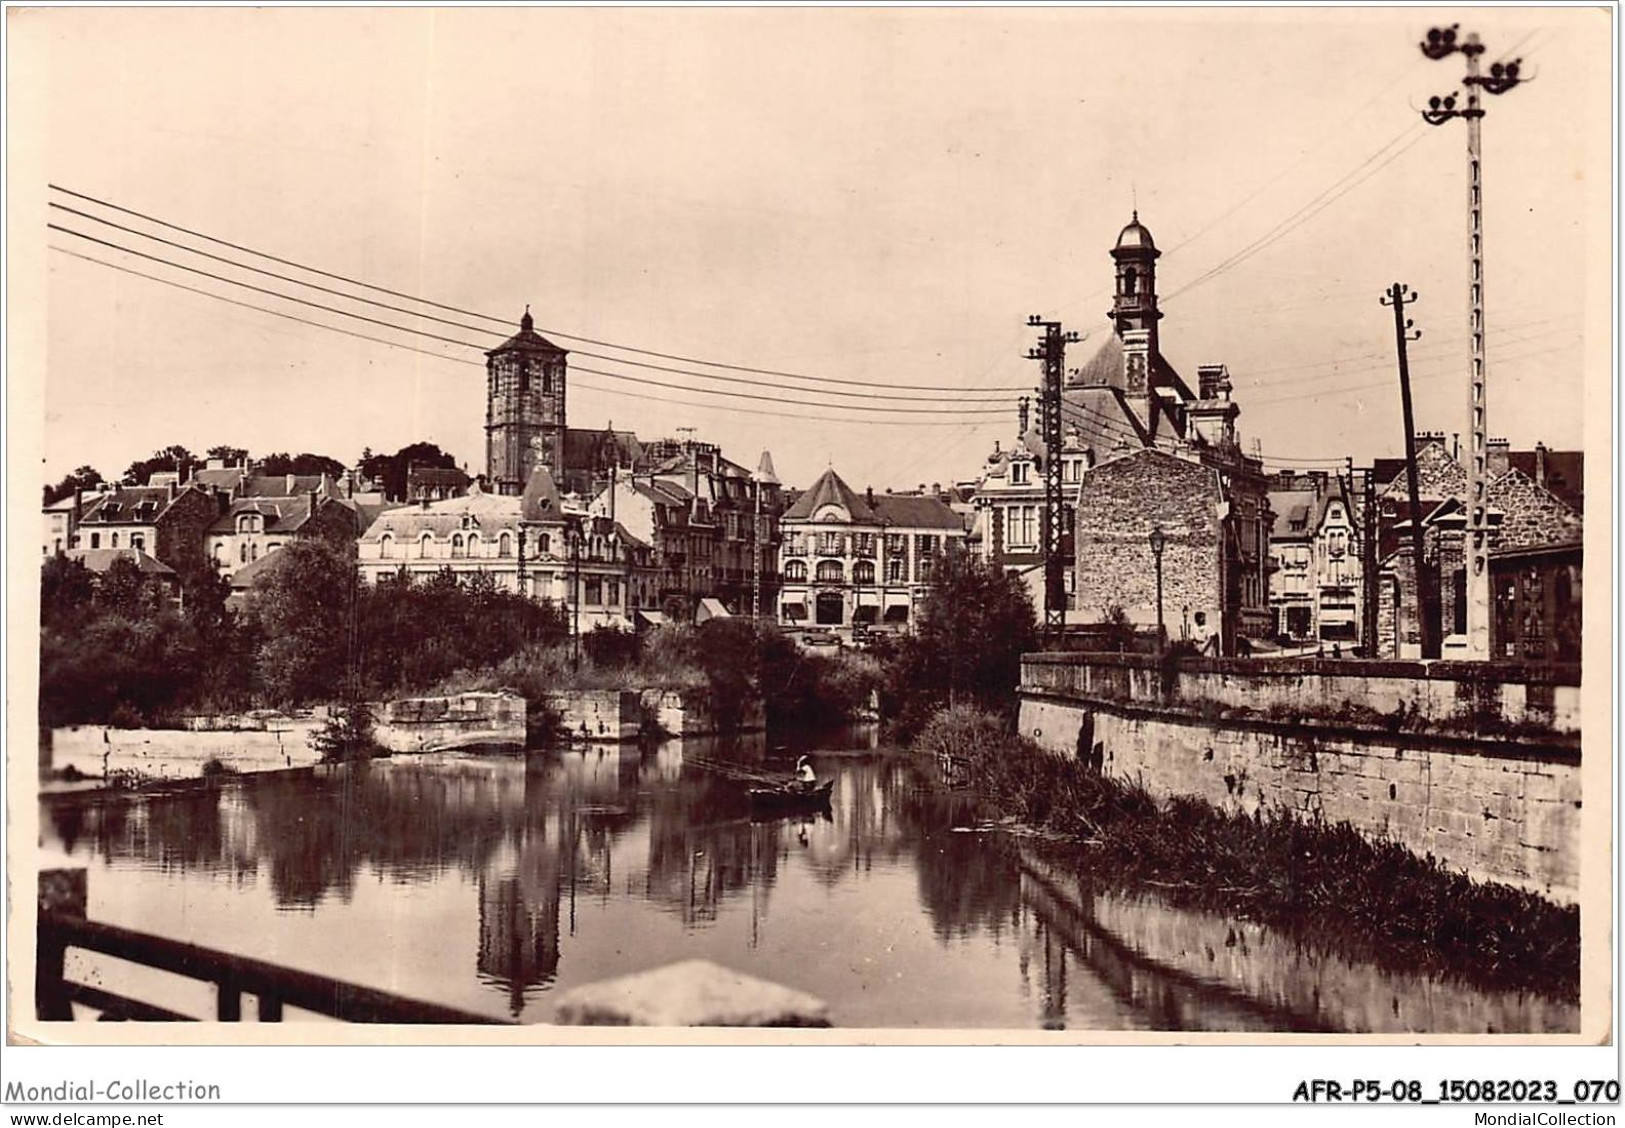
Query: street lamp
{"points": [[1158, 543]]}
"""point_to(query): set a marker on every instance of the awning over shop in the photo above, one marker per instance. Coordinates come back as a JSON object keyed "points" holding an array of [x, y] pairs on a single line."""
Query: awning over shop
{"points": [[795, 612], [652, 618], [868, 599], [896, 612], [710, 608]]}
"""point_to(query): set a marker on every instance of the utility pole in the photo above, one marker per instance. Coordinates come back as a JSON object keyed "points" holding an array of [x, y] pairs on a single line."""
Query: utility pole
{"points": [[1440, 43], [1399, 296], [1368, 564], [1052, 351]]}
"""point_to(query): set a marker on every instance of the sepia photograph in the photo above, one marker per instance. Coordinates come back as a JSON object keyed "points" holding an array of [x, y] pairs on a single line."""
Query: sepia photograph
{"points": [[994, 525]]}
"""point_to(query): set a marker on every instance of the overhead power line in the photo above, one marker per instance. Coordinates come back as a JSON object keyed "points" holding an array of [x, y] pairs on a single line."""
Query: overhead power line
{"points": [[501, 320], [476, 364], [469, 344], [495, 336]]}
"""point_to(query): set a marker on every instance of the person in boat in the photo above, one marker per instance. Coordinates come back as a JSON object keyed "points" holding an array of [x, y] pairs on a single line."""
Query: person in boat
{"points": [[806, 778]]}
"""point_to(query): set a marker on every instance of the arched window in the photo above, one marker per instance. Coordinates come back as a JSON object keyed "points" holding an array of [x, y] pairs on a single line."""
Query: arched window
{"points": [[831, 572], [1130, 282], [386, 545], [219, 552], [863, 572], [795, 572], [505, 545], [115, 540], [138, 541], [253, 551], [473, 544], [242, 553], [545, 545], [423, 546], [456, 545]]}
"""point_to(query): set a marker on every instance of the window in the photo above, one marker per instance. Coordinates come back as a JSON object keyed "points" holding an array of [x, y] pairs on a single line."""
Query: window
{"points": [[894, 570], [386, 545], [95, 540], [115, 540], [544, 544], [1131, 283], [863, 572], [829, 544], [831, 572], [138, 542], [594, 589], [456, 545], [925, 544], [423, 546], [474, 544], [1021, 526], [505, 545], [863, 544], [612, 592], [1018, 473], [922, 570], [795, 572]]}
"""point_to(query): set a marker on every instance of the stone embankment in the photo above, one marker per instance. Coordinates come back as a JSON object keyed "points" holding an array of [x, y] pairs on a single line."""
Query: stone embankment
{"points": [[1477, 765]]}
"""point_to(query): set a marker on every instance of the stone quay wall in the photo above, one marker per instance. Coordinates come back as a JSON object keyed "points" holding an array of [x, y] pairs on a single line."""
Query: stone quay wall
{"points": [[1502, 806], [435, 724]]}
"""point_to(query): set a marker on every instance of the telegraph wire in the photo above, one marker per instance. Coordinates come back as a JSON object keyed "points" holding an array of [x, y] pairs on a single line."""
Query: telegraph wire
{"points": [[1344, 184], [476, 364], [496, 336], [506, 322], [468, 344]]}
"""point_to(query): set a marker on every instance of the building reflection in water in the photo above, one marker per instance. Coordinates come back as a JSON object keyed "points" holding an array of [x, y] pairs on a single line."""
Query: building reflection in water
{"points": [[547, 838]]}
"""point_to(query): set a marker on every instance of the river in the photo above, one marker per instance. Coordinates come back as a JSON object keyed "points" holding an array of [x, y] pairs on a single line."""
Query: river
{"points": [[494, 883]]}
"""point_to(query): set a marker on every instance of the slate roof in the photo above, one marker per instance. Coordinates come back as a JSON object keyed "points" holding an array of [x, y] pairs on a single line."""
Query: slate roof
{"points": [[99, 560], [225, 479], [598, 449], [831, 490], [526, 340], [130, 505], [282, 514], [1290, 506], [916, 513], [285, 485], [250, 574]]}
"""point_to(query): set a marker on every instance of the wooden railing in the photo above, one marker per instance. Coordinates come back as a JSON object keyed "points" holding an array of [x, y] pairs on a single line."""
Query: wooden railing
{"points": [[62, 926]]}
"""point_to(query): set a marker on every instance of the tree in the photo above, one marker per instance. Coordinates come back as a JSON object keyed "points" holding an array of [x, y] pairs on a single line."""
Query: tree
{"points": [[168, 459], [275, 465], [85, 478], [303, 606], [230, 455], [390, 469], [966, 648]]}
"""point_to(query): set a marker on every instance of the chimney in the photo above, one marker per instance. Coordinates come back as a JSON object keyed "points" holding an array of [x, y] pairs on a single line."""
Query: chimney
{"points": [[78, 505], [1023, 412], [311, 497], [169, 491], [287, 490], [1540, 465], [222, 500], [936, 489], [869, 494], [1213, 382], [1455, 445], [1496, 456]]}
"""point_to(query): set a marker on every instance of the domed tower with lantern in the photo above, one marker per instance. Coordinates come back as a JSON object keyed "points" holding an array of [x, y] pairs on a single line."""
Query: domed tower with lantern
{"points": [[524, 408]]}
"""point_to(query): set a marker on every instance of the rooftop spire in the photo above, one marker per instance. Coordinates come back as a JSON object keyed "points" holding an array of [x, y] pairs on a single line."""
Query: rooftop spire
{"points": [[526, 324]]}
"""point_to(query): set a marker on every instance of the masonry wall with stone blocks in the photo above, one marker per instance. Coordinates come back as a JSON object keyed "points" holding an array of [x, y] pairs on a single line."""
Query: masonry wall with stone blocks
{"points": [[1285, 977], [1489, 811], [1457, 695]]}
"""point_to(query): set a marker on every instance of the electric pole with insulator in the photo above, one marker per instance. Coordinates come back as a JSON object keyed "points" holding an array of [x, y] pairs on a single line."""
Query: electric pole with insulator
{"points": [[1441, 43], [1427, 619], [1051, 350]]}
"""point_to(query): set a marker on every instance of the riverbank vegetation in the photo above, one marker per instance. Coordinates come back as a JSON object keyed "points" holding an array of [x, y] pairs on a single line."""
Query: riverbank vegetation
{"points": [[117, 649], [1327, 883]]}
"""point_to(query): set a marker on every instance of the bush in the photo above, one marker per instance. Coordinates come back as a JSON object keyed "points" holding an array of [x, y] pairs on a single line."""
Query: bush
{"points": [[1301, 877]]}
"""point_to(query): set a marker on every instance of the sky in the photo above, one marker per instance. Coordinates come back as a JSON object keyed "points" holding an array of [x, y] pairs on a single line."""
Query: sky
{"points": [[874, 196]]}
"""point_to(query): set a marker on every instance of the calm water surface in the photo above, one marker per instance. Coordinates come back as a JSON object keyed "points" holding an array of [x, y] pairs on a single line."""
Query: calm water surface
{"points": [[493, 883]]}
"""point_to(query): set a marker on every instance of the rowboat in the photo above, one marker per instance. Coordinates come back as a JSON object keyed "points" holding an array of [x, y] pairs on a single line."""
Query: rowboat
{"points": [[791, 797]]}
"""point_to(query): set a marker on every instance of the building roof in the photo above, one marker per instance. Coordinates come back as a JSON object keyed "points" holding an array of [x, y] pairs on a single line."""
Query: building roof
{"points": [[541, 500], [129, 505], [1105, 369], [1565, 473], [1135, 236], [765, 474], [526, 340], [285, 485], [917, 513], [596, 449], [282, 514], [250, 574], [99, 560], [1290, 508], [831, 490], [224, 477]]}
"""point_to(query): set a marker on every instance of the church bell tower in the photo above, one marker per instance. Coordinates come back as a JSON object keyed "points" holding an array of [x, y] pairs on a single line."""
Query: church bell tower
{"points": [[524, 408], [1134, 306]]}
